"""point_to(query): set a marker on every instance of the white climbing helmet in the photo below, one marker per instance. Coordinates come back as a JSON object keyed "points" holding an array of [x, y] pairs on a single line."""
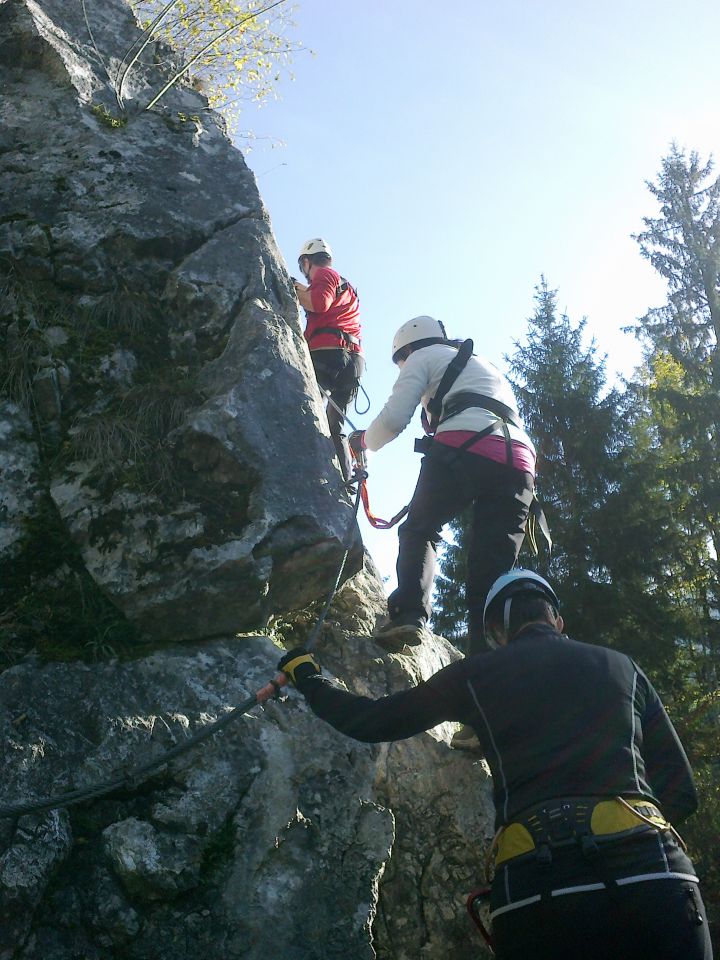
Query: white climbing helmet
{"points": [[419, 328], [316, 245], [507, 586]]}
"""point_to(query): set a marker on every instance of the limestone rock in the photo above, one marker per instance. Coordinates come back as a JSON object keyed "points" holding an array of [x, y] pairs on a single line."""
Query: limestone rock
{"points": [[186, 446], [20, 485], [277, 820], [167, 474]]}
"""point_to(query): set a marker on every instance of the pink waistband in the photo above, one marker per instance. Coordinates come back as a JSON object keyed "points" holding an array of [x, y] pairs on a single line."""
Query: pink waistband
{"points": [[491, 447]]}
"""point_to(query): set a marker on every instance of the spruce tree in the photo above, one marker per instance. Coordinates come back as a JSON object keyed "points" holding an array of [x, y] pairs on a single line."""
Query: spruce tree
{"points": [[680, 386], [574, 421], [678, 392]]}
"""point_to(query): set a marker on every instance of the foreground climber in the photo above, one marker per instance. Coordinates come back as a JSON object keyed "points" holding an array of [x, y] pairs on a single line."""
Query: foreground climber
{"points": [[480, 457], [586, 768], [333, 335]]}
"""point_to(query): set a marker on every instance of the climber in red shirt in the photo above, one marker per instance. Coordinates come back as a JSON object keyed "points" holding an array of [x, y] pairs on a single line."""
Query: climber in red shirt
{"points": [[333, 335]]}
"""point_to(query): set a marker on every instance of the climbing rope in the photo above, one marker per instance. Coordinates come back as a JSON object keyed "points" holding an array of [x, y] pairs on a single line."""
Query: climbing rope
{"points": [[359, 477], [374, 521], [361, 413], [133, 777]]}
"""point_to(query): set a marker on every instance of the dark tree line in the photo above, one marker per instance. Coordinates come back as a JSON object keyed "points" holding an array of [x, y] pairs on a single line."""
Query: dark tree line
{"points": [[630, 481]]}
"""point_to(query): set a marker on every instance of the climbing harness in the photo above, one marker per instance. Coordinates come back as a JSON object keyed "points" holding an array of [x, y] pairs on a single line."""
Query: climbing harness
{"points": [[475, 902], [347, 338], [583, 821], [439, 411], [133, 777]]}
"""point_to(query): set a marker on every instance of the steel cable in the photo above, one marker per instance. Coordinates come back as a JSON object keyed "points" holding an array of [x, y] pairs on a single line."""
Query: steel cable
{"points": [[134, 777]]}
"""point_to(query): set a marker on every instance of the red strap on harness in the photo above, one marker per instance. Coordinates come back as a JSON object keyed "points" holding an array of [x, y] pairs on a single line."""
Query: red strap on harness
{"points": [[377, 522]]}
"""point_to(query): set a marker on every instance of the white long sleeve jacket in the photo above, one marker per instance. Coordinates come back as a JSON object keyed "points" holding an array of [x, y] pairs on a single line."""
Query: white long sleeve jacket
{"points": [[417, 383]]}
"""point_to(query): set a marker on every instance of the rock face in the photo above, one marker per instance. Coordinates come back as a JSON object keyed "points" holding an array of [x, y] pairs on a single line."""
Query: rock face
{"points": [[277, 831], [166, 475], [153, 336]]}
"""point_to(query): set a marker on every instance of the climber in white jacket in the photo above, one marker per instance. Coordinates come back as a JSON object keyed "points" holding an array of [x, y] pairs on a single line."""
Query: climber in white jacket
{"points": [[479, 455]]}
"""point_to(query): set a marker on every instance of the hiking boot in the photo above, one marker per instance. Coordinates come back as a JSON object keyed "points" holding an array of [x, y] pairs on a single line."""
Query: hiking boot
{"points": [[465, 739], [403, 630]]}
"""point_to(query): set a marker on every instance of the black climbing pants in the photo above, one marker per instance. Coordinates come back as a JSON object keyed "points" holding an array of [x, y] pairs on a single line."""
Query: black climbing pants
{"points": [[659, 919], [449, 482], [339, 371]]}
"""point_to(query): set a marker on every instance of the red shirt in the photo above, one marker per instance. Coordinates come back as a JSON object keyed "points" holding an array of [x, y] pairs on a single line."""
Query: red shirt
{"points": [[330, 309]]}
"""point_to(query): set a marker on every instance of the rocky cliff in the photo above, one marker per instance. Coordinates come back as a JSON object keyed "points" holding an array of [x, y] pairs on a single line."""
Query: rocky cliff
{"points": [[167, 491]]}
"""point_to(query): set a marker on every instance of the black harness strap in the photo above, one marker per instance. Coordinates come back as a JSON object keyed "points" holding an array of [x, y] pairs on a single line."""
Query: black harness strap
{"points": [[452, 372], [465, 400], [343, 286], [505, 415], [346, 337]]}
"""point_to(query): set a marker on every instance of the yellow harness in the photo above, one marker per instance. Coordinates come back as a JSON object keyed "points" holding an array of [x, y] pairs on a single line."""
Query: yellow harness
{"points": [[607, 819]]}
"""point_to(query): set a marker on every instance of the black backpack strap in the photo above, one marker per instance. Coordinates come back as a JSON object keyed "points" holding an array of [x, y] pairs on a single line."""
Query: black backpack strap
{"points": [[452, 372]]}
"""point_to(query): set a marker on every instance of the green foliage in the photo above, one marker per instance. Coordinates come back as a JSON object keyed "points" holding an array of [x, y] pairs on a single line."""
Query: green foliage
{"points": [[233, 51], [128, 440], [107, 118], [680, 384], [449, 607]]}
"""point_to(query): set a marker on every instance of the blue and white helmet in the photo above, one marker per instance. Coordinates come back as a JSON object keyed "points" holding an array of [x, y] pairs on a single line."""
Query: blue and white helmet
{"points": [[506, 587]]}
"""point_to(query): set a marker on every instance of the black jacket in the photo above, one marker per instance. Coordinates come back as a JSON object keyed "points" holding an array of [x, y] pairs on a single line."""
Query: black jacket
{"points": [[556, 718]]}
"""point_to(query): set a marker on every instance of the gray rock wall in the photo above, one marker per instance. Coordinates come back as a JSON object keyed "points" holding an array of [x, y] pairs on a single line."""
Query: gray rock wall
{"points": [[278, 837], [166, 475], [154, 340]]}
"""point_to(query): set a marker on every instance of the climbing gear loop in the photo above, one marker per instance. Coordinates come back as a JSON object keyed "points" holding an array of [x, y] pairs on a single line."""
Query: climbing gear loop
{"points": [[361, 413]]}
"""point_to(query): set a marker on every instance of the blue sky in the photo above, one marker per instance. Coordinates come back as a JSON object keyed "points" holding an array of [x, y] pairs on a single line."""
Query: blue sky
{"points": [[453, 154]]}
